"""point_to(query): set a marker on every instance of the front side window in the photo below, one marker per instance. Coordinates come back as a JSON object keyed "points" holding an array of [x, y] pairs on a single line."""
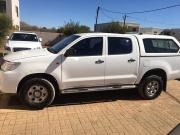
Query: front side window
{"points": [[160, 46], [88, 47], [119, 45], [23, 37], [2, 6]]}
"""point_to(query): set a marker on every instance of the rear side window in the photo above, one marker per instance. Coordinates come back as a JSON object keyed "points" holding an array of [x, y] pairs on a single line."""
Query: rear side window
{"points": [[119, 45], [160, 46]]}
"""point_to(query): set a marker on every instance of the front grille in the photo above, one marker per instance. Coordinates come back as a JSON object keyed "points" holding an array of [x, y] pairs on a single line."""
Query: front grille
{"points": [[21, 49]]}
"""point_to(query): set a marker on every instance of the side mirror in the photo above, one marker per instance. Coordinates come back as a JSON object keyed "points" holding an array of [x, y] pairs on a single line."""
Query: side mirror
{"points": [[40, 39], [7, 37], [69, 52]]}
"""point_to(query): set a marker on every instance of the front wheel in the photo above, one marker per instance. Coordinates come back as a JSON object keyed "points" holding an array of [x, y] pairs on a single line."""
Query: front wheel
{"points": [[37, 93], [151, 87]]}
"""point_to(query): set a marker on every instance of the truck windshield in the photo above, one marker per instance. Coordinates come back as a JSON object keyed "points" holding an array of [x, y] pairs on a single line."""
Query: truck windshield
{"points": [[62, 44], [24, 37]]}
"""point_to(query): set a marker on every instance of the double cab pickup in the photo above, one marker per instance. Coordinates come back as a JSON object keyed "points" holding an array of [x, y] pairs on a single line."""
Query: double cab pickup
{"points": [[92, 62]]}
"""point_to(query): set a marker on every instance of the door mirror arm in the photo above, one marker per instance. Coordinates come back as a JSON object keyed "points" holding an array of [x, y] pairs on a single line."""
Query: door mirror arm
{"points": [[69, 52]]}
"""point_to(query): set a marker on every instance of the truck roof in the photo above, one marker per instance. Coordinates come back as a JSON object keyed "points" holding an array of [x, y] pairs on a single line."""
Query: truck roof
{"points": [[99, 33], [115, 34], [153, 36], [24, 32]]}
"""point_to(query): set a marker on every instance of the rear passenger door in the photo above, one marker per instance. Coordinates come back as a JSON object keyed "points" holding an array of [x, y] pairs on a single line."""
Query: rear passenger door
{"points": [[122, 60]]}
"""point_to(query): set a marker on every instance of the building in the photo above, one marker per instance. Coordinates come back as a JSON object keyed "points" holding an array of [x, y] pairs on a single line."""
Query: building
{"points": [[132, 27], [154, 31], [11, 8]]}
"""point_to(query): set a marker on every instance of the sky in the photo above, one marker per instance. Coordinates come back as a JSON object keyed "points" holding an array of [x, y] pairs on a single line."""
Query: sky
{"points": [[55, 13]]}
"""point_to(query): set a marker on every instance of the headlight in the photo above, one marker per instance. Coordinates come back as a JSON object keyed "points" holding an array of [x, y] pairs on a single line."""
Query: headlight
{"points": [[9, 66]]}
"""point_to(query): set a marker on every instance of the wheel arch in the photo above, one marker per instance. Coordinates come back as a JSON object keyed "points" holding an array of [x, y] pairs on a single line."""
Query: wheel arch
{"points": [[40, 75], [160, 72]]}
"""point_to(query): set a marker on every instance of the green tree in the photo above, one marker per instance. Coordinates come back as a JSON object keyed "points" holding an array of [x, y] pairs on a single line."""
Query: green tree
{"points": [[73, 28], [115, 27], [5, 26]]}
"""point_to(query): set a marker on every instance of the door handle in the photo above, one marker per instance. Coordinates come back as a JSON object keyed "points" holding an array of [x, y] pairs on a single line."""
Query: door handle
{"points": [[99, 62], [131, 60]]}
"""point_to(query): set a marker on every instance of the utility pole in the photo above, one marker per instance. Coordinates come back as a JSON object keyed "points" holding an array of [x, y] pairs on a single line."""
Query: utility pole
{"points": [[124, 22], [97, 15]]}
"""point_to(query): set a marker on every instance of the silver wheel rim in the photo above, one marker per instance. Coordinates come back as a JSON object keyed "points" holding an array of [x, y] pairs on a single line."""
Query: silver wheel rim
{"points": [[152, 88], [37, 94]]}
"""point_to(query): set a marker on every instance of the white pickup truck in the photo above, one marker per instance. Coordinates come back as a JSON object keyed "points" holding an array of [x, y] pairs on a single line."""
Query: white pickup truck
{"points": [[20, 41], [92, 62]]}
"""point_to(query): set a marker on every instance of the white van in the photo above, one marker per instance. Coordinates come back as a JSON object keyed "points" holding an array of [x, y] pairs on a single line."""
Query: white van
{"points": [[20, 41]]}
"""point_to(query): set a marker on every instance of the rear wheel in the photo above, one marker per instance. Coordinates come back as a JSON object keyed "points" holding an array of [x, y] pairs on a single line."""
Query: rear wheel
{"points": [[37, 93], [151, 87]]}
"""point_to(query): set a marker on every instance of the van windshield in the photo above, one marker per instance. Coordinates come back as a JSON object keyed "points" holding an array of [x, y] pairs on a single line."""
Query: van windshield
{"points": [[62, 44], [24, 37]]}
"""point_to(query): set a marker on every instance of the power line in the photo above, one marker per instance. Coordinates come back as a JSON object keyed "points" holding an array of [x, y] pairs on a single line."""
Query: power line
{"points": [[107, 16], [137, 18], [154, 10], [126, 15], [107, 10], [141, 12]]}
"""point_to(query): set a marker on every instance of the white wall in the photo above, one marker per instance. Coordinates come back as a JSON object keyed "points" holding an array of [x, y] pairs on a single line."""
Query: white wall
{"points": [[11, 11], [8, 8]]}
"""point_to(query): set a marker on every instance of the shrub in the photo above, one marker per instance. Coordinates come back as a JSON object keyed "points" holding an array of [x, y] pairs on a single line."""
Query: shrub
{"points": [[27, 27], [73, 28], [5, 26], [166, 32], [115, 27]]}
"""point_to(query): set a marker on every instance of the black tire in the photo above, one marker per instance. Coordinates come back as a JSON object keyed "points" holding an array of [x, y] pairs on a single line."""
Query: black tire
{"points": [[32, 90], [145, 88]]}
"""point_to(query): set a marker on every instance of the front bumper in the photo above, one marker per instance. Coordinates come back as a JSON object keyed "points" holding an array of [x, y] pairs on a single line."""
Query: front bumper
{"points": [[8, 82]]}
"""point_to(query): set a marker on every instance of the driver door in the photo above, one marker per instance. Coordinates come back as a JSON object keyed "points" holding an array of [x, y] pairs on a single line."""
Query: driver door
{"points": [[85, 66]]}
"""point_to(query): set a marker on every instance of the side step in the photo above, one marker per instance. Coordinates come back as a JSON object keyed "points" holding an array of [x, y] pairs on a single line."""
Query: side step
{"points": [[93, 89]]}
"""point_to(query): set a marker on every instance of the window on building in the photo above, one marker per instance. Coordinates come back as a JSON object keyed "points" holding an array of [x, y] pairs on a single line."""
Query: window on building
{"points": [[17, 11], [89, 47], [119, 45], [134, 29], [160, 46], [2, 6]]}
